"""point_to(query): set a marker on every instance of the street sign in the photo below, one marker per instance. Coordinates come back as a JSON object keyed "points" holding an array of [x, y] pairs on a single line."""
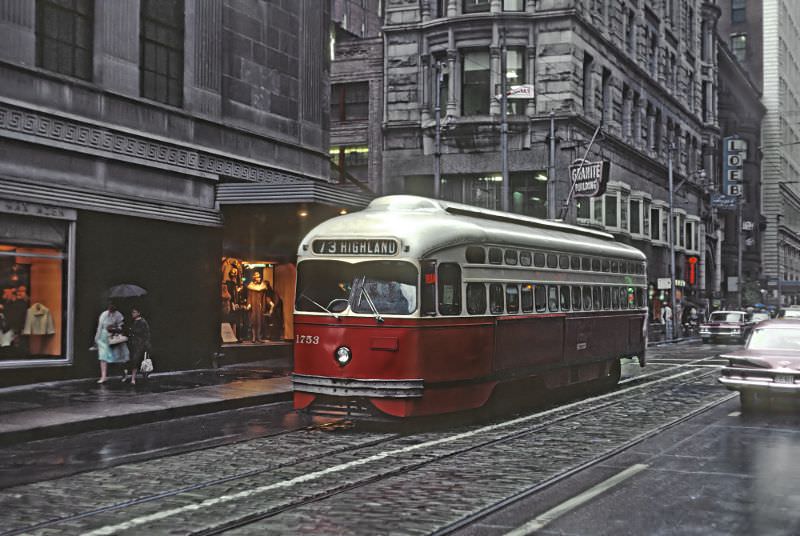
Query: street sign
{"points": [[724, 201], [524, 91], [733, 156], [747, 225], [589, 178]]}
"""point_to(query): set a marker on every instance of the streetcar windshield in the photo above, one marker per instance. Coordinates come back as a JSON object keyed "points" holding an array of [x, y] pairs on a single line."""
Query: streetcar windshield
{"points": [[385, 287]]}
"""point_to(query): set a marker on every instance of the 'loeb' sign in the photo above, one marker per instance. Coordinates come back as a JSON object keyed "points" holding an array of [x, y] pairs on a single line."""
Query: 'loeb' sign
{"points": [[589, 178], [373, 246]]}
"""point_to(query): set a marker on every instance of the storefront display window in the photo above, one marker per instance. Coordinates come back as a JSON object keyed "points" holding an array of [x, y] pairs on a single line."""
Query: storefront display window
{"points": [[253, 303], [34, 285]]}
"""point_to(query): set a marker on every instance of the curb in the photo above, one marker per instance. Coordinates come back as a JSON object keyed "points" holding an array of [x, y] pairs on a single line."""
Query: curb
{"points": [[132, 419]]}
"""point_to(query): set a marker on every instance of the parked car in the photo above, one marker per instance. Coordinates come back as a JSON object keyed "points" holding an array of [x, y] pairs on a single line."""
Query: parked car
{"points": [[727, 325], [768, 367]]}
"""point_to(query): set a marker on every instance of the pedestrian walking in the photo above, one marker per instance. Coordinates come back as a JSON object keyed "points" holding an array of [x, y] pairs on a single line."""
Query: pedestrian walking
{"points": [[138, 341], [666, 319], [111, 346]]}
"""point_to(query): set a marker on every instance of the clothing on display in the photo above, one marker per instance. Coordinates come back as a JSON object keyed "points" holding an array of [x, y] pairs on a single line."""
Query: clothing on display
{"points": [[257, 302], [38, 321]]}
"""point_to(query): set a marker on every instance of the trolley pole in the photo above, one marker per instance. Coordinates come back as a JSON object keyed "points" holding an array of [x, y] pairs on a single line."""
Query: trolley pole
{"points": [[505, 188], [437, 154], [671, 237]]}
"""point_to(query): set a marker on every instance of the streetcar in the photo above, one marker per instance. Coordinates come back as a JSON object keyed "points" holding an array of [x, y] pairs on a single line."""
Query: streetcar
{"points": [[416, 307]]}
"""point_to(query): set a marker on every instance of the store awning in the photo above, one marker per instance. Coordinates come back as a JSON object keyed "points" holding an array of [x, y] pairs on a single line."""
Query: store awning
{"points": [[254, 193], [58, 195]]}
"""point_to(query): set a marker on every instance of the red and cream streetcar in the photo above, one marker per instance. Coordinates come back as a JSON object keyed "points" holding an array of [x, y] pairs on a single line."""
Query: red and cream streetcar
{"points": [[417, 306]]}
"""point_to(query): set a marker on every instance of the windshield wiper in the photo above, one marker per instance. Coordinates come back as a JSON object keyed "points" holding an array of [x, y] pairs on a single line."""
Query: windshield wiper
{"points": [[375, 312], [334, 315]]}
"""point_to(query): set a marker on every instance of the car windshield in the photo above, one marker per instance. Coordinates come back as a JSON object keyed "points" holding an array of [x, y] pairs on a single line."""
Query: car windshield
{"points": [[332, 286], [775, 338], [758, 317], [726, 317]]}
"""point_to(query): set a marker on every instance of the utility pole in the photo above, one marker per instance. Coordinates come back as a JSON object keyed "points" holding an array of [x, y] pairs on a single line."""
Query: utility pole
{"points": [[437, 155], [671, 237], [505, 188], [780, 274], [552, 206]]}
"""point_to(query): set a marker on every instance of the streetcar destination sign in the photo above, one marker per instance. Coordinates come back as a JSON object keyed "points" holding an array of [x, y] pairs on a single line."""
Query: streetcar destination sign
{"points": [[371, 246], [589, 178]]}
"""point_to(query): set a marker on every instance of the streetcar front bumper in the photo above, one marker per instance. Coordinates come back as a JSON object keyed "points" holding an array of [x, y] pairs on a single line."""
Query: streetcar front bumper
{"points": [[325, 385]]}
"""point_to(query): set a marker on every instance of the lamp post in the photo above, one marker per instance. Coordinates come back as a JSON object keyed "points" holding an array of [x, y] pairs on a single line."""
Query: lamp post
{"points": [[671, 238], [506, 188]]}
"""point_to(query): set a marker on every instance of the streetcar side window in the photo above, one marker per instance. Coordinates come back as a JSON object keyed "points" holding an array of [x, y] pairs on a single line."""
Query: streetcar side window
{"points": [[614, 267], [595, 264], [428, 290], [476, 298], [587, 298], [624, 302], [575, 262], [623, 267], [606, 297], [563, 262], [552, 297], [576, 298], [525, 258], [540, 292], [552, 260], [476, 255], [597, 302], [564, 294], [449, 289], [512, 298], [614, 298], [586, 264], [495, 256], [526, 298], [496, 296], [538, 259], [640, 297], [606, 265], [511, 257]]}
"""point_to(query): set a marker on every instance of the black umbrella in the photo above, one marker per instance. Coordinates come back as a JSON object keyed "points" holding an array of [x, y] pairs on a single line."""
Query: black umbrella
{"points": [[126, 290]]}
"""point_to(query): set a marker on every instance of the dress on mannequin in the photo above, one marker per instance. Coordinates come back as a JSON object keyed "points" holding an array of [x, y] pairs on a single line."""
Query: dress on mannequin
{"points": [[256, 301]]}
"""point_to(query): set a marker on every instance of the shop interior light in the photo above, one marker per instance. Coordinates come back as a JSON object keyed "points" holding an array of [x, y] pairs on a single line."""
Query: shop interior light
{"points": [[343, 211], [303, 213], [540, 177]]}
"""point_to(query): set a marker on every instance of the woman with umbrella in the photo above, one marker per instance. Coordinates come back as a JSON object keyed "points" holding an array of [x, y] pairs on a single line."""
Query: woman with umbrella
{"points": [[109, 326]]}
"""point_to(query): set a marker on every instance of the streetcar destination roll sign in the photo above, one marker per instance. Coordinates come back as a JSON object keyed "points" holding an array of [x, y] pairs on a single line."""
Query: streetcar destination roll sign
{"points": [[589, 178], [370, 246]]}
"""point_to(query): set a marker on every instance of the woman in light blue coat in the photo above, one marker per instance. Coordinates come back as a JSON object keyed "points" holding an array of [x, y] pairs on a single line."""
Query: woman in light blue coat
{"points": [[110, 322]]}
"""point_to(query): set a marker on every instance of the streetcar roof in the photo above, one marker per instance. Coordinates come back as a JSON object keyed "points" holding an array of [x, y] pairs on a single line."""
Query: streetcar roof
{"points": [[426, 225]]}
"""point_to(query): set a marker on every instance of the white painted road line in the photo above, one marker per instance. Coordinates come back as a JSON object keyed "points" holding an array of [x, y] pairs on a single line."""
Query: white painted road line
{"points": [[164, 514], [570, 504]]}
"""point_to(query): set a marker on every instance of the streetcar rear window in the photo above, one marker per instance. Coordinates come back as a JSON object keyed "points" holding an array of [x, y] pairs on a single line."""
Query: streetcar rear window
{"points": [[476, 298], [587, 298], [575, 263], [496, 297], [564, 294], [576, 298], [552, 260], [512, 298], [538, 259], [526, 298], [639, 297], [449, 285], [586, 264], [511, 257], [495, 256], [606, 265], [563, 262], [606, 297], [385, 287], [614, 298], [595, 264], [597, 302], [525, 258], [476, 255], [614, 267]]}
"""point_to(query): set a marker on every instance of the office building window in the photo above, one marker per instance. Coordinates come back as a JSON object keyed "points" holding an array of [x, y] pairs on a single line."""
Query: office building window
{"points": [[513, 5], [475, 83], [161, 59], [739, 46], [738, 10], [64, 36], [515, 76], [476, 6], [350, 101]]}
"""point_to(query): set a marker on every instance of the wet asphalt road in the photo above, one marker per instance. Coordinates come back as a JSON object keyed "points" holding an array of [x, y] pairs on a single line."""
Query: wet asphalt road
{"points": [[718, 472]]}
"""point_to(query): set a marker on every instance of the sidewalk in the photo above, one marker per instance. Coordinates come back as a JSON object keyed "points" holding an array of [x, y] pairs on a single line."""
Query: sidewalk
{"points": [[55, 409]]}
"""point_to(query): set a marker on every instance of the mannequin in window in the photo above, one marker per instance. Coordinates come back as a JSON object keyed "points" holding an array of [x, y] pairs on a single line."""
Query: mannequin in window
{"points": [[256, 300], [237, 301]]}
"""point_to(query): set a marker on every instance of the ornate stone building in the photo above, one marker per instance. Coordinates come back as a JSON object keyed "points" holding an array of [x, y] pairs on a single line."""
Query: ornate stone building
{"points": [[646, 72], [156, 142]]}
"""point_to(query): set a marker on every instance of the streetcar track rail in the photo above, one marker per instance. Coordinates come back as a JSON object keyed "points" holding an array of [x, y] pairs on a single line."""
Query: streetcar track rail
{"points": [[626, 389]]}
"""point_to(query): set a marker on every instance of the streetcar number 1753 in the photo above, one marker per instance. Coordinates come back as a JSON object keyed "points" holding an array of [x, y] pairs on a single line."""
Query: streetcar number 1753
{"points": [[306, 339]]}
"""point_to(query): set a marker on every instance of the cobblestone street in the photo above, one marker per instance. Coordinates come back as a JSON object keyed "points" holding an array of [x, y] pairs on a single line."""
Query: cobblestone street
{"points": [[326, 479]]}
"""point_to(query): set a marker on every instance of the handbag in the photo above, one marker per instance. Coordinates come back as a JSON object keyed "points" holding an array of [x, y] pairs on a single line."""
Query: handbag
{"points": [[117, 338], [147, 364]]}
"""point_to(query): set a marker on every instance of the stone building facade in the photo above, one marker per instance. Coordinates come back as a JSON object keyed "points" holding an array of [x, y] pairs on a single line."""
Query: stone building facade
{"points": [[156, 142], [646, 71]]}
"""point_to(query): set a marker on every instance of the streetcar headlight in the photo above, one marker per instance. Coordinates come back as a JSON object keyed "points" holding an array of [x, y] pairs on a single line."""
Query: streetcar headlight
{"points": [[343, 355]]}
